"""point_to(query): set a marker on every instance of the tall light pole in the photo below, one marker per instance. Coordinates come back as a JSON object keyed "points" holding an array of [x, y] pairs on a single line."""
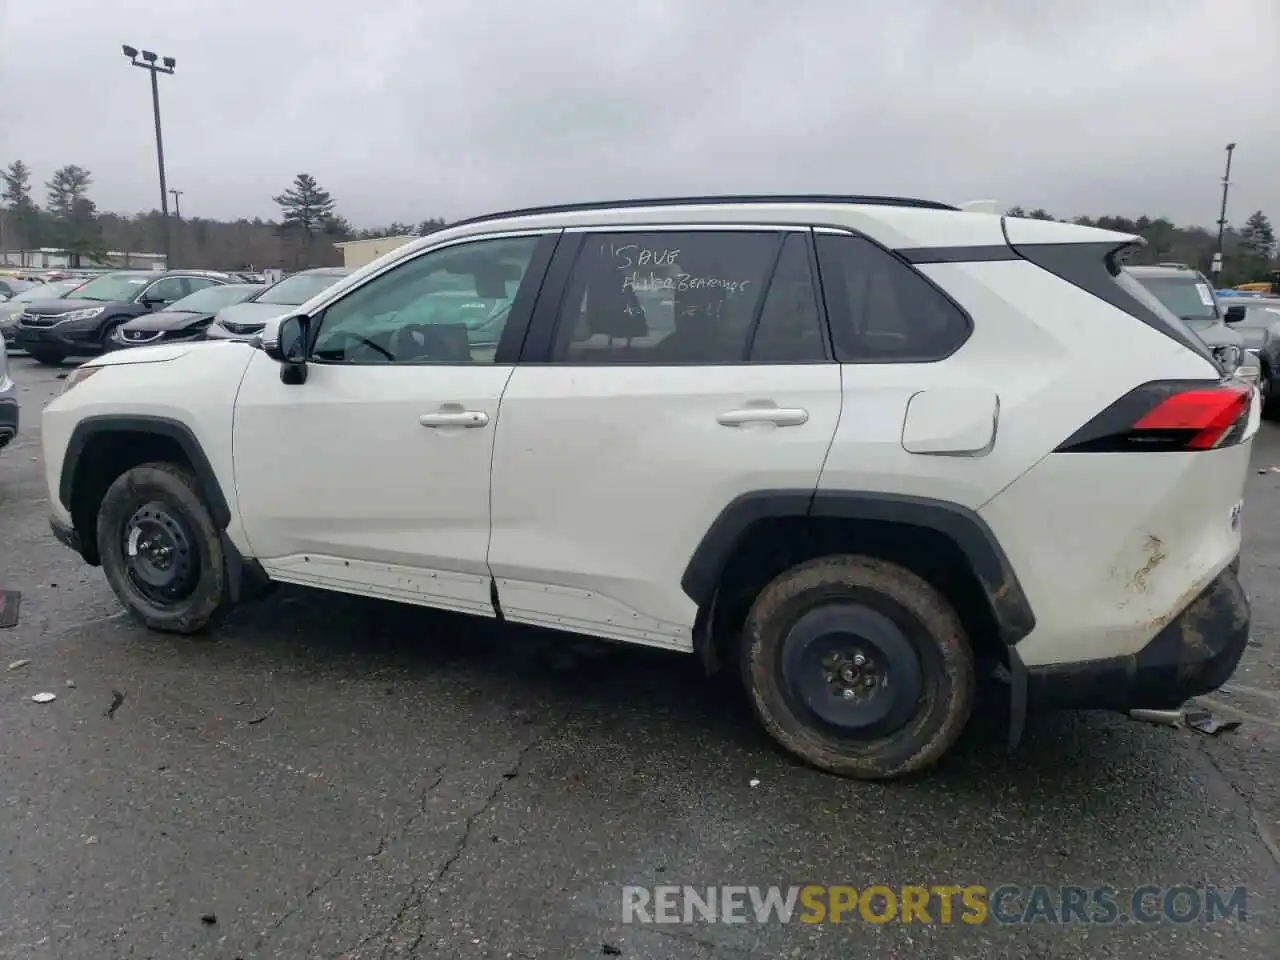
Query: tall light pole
{"points": [[1222, 216], [148, 62], [177, 203]]}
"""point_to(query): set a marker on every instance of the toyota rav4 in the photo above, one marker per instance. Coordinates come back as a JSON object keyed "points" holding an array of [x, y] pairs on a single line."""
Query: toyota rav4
{"points": [[862, 450]]}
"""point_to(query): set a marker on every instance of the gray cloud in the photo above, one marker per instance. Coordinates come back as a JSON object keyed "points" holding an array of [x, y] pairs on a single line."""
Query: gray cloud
{"points": [[405, 110]]}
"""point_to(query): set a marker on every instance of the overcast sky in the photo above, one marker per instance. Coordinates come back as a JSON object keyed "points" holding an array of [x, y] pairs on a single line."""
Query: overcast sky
{"points": [[405, 110]]}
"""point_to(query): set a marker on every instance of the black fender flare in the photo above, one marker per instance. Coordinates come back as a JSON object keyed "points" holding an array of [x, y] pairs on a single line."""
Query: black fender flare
{"points": [[175, 430], [964, 527]]}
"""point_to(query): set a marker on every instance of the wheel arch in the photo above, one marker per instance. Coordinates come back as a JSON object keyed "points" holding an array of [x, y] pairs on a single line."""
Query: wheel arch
{"points": [[749, 521], [92, 461]]}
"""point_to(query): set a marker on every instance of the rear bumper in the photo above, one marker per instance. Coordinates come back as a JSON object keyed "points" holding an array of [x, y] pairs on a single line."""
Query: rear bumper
{"points": [[1194, 653]]}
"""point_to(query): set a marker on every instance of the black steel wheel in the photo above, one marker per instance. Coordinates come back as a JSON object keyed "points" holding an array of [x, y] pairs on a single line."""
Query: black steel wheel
{"points": [[160, 549], [858, 666]]}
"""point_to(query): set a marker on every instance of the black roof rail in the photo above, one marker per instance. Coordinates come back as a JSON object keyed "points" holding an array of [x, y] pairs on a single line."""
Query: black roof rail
{"points": [[692, 201]]}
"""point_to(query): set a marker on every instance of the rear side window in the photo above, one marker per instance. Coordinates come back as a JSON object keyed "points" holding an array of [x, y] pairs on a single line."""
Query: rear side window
{"points": [[673, 297], [883, 311]]}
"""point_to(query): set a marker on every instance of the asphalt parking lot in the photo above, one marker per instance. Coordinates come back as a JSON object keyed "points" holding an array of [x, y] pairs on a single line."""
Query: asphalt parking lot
{"points": [[330, 777]]}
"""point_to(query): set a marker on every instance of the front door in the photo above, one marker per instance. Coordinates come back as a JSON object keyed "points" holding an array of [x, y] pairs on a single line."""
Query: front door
{"points": [[372, 476], [685, 368]]}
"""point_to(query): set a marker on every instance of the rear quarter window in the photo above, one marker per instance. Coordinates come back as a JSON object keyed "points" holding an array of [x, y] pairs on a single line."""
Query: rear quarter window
{"points": [[881, 310]]}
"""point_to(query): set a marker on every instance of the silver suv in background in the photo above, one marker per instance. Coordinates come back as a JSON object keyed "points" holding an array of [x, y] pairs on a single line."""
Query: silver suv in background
{"points": [[244, 321], [1186, 292]]}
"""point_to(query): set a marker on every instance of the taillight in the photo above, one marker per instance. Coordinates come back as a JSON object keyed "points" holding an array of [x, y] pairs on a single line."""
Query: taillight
{"points": [[1168, 415]]}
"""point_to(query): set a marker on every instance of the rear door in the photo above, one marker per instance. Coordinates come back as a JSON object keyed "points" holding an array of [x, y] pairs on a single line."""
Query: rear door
{"points": [[668, 371]]}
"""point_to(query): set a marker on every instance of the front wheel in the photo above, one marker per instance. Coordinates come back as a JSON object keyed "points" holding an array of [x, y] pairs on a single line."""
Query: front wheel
{"points": [[45, 356], [858, 667], [160, 549]]}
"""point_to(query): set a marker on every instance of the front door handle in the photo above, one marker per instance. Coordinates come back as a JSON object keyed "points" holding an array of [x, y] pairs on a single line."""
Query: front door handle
{"points": [[463, 418], [778, 416]]}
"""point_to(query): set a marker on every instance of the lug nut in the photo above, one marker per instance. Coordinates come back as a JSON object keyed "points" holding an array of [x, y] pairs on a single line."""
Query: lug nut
{"points": [[859, 660]]}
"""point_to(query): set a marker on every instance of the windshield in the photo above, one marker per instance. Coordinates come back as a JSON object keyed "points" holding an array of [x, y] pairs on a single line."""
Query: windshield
{"points": [[1187, 296], [113, 286], [211, 298], [297, 289]]}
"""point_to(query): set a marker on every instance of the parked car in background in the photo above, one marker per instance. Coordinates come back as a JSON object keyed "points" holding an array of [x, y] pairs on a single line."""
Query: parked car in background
{"points": [[12, 309], [12, 286], [1186, 292], [244, 321], [81, 325], [8, 402], [186, 319], [1257, 321]]}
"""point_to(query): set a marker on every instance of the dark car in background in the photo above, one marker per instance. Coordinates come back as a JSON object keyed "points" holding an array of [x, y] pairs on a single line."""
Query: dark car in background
{"points": [[12, 286], [1257, 321], [186, 319], [1185, 291], [244, 321], [82, 325], [13, 308]]}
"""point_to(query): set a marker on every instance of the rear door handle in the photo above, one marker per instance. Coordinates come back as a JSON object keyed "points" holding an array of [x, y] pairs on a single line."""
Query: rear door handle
{"points": [[464, 418], [778, 416]]}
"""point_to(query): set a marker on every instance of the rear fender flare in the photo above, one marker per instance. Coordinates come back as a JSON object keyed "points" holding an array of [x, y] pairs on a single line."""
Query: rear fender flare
{"points": [[965, 528]]}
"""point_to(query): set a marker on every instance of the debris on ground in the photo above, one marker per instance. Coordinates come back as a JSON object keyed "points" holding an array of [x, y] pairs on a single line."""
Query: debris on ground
{"points": [[261, 717], [609, 950], [753, 782], [18, 664], [1167, 718], [117, 698], [1205, 722], [10, 604], [71, 684], [209, 919], [44, 697]]}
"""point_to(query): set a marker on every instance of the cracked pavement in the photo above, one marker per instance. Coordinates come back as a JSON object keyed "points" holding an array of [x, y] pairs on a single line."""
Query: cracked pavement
{"points": [[340, 778]]}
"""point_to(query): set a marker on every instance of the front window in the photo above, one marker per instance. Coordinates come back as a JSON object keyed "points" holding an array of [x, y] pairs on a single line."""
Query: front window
{"points": [[447, 306], [211, 299], [1188, 297], [298, 289], [113, 287]]}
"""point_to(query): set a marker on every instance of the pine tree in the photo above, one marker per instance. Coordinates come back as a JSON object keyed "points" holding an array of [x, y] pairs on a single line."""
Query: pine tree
{"points": [[73, 216], [22, 218], [305, 206], [1258, 238]]}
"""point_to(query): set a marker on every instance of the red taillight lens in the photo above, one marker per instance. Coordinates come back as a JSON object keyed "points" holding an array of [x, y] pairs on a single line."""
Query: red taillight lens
{"points": [[1168, 416], [1208, 414]]}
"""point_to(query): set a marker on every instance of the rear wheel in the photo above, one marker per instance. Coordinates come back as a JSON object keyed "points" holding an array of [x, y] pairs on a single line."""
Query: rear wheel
{"points": [[46, 356], [160, 549], [858, 666]]}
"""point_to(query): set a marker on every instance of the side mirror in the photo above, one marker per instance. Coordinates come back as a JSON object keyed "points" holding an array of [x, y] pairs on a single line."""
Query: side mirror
{"points": [[289, 348], [1234, 314]]}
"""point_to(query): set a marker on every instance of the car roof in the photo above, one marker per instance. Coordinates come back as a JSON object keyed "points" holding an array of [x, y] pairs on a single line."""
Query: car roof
{"points": [[323, 272]]}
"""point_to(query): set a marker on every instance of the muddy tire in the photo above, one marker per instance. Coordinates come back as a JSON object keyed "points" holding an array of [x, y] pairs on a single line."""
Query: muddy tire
{"points": [[858, 667], [160, 549]]}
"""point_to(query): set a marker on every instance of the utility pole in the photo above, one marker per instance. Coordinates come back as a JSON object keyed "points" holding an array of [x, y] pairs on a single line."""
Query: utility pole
{"points": [[1216, 268], [148, 62]]}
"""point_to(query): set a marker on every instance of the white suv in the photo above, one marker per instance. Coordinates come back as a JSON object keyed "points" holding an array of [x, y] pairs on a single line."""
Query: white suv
{"points": [[861, 449]]}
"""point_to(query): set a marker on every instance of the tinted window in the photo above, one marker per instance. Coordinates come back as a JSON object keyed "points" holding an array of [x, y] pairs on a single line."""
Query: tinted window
{"points": [[790, 329], [881, 310], [168, 289], [447, 306], [664, 298], [298, 289]]}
